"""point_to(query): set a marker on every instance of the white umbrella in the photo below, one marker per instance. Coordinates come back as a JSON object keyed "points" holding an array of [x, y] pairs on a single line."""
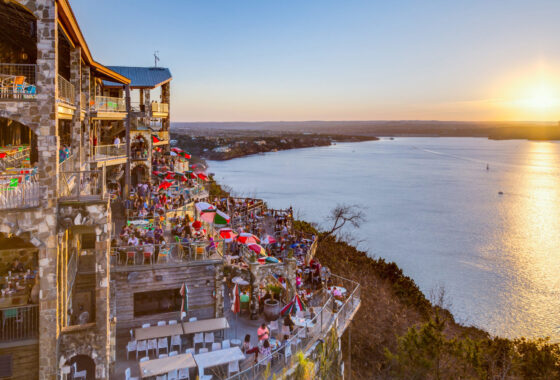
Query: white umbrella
{"points": [[240, 281]]}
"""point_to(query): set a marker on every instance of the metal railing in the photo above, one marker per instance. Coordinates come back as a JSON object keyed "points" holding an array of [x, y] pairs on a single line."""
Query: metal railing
{"points": [[19, 323], [328, 316], [160, 107], [154, 255], [65, 90], [82, 185], [19, 195], [109, 104], [15, 157], [17, 81], [108, 152]]}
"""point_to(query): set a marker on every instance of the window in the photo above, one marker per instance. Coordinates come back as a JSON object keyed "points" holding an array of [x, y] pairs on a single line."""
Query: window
{"points": [[156, 302]]}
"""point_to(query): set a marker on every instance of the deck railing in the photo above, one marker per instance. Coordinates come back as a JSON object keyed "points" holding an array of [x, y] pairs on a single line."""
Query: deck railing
{"points": [[109, 152], [160, 107], [330, 315], [65, 90], [154, 255], [109, 104], [15, 157], [82, 185], [17, 81], [15, 194], [19, 323]]}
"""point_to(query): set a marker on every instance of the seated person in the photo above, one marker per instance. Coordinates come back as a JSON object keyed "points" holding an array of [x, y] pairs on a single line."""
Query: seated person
{"points": [[17, 266]]}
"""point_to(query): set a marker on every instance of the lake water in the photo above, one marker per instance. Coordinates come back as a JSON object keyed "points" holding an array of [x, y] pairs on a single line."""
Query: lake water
{"points": [[434, 209]]}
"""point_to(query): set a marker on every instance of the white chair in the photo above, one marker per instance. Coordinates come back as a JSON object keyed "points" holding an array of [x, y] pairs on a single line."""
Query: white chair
{"points": [[208, 338], [161, 356], [141, 345], [162, 343], [205, 377], [161, 323], [161, 377], [79, 374], [144, 359], [216, 346], [172, 375], [190, 351], [198, 338], [131, 334], [226, 343], [287, 352], [192, 319], [145, 325], [172, 322], [203, 350], [233, 367], [300, 314], [174, 353], [176, 341], [127, 375], [131, 347], [184, 374], [273, 326], [285, 330], [152, 345]]}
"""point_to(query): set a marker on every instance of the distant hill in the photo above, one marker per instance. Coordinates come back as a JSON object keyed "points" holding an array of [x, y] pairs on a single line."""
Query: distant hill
{"points": [[493, 130]]}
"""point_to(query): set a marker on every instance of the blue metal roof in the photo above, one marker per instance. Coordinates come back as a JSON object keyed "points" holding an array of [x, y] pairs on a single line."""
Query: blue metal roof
{"points": [[147, 77]]}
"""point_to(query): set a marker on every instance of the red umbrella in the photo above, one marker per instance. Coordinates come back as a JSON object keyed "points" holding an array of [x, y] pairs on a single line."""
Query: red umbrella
{"points": [[247, 238], [164, 185], [227, 234], [202, 176], [170, 176], [196, 224], [257, 249], [176, 150]]}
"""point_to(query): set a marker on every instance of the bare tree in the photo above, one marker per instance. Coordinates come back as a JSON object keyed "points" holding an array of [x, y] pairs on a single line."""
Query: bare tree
{"points": [[341, 216]]}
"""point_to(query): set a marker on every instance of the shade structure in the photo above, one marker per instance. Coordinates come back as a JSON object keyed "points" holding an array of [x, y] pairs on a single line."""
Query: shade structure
{"points": [[267, 239], [257, 249], [196, 224], [215, 216], [203, 206], [295, 305], [247, 238], [227, 234], [176, 150]]}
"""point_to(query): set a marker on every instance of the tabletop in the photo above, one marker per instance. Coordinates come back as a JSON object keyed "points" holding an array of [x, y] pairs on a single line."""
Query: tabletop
{"points": [[203, 325], [218, 357], [160, 366], [302, 322]]}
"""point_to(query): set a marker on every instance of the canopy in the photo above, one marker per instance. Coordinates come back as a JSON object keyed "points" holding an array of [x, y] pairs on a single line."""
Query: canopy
{"points": [[202, 176], [164, 185], [295, 305]]}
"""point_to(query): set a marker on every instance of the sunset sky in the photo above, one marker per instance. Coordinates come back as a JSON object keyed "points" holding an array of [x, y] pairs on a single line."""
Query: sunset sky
{"points": [[249, 60]]}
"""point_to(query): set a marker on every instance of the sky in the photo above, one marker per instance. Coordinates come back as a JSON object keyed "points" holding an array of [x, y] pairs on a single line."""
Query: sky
{"points": [[291, 60]]}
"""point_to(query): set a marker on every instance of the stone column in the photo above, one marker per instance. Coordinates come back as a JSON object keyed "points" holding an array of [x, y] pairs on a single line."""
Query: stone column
{"points": [[147, 108], [291, 268], [254, 307], [76, 124], [219, 289], [127, 126], [165, 98]]}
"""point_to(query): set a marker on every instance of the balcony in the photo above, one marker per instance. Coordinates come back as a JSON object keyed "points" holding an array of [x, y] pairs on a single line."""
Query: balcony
{"points": [[108, 108], [17, 81], [82, 186], [65, 91], [19, 190], [19, 323], [109, 154], [160, 109]]}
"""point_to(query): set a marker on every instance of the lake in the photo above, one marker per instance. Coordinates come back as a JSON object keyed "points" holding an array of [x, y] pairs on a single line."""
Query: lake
{"points": [[434, 208]]}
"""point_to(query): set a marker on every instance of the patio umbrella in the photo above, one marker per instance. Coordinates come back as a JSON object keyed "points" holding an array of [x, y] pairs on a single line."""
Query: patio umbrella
{"points": [[176, 150], [185, 299], [227, 234], [294, 245], [295, 305], [196, 224], [272, 259], [240, 281], [257, 249], [267, 239], [215, 216], [247, 238], [172, 154], [164, 185], [202, 176], [170, 176]]}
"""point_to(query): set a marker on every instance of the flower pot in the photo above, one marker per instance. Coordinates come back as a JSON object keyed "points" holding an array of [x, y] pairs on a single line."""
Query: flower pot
{"points": [[271, 309]]}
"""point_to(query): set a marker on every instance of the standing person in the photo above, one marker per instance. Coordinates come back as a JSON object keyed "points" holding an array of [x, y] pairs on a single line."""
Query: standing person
{"points": [[263, 333]]}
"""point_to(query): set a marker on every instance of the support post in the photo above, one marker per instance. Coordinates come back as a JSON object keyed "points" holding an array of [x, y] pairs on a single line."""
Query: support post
{"points": [[127, 125]]}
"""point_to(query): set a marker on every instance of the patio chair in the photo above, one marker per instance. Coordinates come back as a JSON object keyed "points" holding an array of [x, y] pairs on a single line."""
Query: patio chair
{"points": [[148, 257], [203, 350], [226, 343], [216, 346], [184, 374], [144, 359], [198, 338], [164, 254], [172, 322], [176, 341], [208, 337], [174, 353], [161, 323], [78, 374], [192, 319], [131, 255], [161, 356], [233, 367], [273, 326], [162, 343], [190, 351], [287, 352], [172, 375], [131, 334], [145, 325], [127, 375], [131, 347], [141, 345], [161, 377], [152, 345]]}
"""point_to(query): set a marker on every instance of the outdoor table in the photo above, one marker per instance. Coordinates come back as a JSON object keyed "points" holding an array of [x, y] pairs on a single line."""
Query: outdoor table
{"points": [[340, 289], [204, 325], [216, 358], [302, 322], [164, 365]]}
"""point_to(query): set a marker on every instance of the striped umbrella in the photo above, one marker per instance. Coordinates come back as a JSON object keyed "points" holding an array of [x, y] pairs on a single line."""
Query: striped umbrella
{"points": [[227, 234], [257, 249], [215, 216], [295, 305], [247, 238], [267, 239]]}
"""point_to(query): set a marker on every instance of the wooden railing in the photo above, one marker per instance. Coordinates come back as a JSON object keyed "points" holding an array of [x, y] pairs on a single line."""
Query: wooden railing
{"points": [[65, 90]]}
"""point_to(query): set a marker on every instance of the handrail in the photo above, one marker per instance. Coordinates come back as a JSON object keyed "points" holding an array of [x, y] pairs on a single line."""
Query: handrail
{"points": [[18, 81], [104, 152], [160, 107], [109, 104], [19, 323], [65, 90]]}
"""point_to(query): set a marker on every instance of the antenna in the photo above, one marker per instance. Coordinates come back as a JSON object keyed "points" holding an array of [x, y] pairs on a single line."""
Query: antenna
{"points": [[156, 57]]}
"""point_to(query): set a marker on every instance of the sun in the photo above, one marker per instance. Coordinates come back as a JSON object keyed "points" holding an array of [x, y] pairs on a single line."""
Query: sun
{"points": [[541, 96]]}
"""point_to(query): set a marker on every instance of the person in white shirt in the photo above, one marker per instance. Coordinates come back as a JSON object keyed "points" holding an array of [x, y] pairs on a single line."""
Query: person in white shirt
{"points": [[117, 141]]}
